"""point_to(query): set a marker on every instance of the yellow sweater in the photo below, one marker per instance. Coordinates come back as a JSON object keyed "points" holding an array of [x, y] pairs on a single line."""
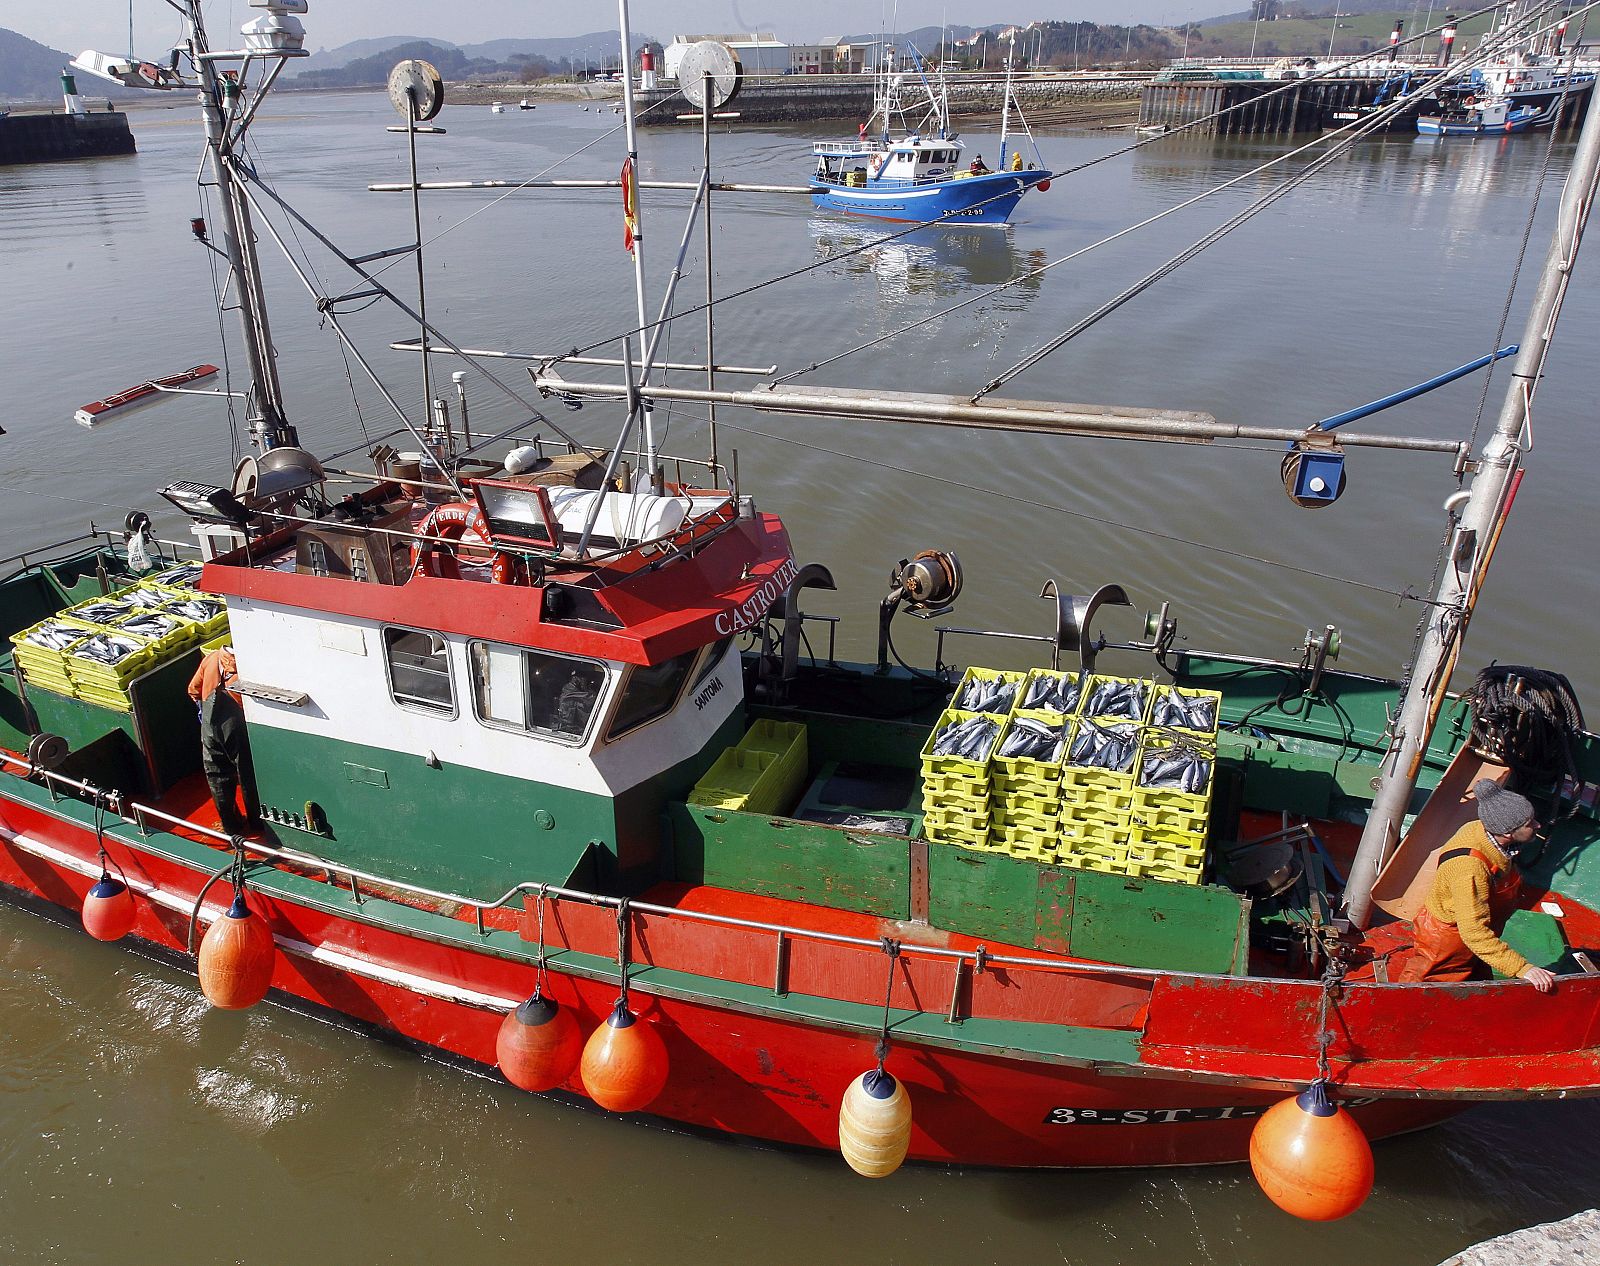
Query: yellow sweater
{"points": [[1460, 895]]}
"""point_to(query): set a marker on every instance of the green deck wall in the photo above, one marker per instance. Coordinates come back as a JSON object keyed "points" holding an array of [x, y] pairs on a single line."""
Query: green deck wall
{"points": [[462, 830]]}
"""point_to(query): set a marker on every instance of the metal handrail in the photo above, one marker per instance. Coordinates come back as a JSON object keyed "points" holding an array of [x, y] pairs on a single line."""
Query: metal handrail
{"points": [[979, 958]]}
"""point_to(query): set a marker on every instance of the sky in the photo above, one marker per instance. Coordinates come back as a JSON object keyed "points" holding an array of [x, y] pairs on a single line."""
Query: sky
{"points": [[103, 24]]}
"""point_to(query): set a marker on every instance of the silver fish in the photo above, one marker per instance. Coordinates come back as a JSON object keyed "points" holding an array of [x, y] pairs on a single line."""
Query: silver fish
{"points": [[970, 739], [1055, 694]]}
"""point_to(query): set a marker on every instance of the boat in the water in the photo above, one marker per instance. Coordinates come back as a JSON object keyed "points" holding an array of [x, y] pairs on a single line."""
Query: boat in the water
{"points": [[1474, 117], [525, 104], [119, 402], [497, 107], [923, 174], [543, 751], [1531, 83]]}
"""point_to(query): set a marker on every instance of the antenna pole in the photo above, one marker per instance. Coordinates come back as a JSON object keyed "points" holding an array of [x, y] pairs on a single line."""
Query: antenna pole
{"points": [[631, 132], [217, 92], [1005, 105], [711, 358], [1474, 535], [422, 280]]}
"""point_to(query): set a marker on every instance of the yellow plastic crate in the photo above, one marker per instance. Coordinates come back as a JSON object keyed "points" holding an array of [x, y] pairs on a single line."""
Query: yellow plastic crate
{"points": [[732, 778], [1164, 720], [1042, 811], [1076, 833], [1171, 811], [957, 765], [1091, 792], [1016, 826], [781, 787], [1173, 846], [1023, 770], [943, 833], [1071, 683], [973, 820], [988, 677], [1091, 706]]}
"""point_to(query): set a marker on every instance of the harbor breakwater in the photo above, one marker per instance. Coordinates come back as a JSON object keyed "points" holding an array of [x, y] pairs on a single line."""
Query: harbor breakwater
{"points": [[797, 100], [47, 138]]}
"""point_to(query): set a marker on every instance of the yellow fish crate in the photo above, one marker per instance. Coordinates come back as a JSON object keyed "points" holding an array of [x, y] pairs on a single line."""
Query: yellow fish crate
{"points": [[1125, 699]]}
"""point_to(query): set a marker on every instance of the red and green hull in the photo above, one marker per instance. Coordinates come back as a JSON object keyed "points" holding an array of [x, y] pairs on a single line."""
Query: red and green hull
{"points": [[1148, 1069]]}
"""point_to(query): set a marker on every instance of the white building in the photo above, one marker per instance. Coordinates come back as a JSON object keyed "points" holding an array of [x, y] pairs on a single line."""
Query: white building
{"points": [[759, 52]]}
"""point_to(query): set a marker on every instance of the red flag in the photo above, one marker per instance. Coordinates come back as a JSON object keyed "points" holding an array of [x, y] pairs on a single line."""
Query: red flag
{"points": [[630, 206]]}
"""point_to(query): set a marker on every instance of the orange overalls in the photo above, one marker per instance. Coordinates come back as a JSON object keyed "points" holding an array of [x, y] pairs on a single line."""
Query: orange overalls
{"points": [[1440, 952]]}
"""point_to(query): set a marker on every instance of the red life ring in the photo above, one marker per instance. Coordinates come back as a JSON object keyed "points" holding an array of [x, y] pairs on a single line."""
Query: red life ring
{"points": [[458, 521], [453, 521]]}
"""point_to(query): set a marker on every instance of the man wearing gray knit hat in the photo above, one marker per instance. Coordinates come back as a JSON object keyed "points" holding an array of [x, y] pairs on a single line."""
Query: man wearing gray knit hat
{"points": [[1475, 889]]}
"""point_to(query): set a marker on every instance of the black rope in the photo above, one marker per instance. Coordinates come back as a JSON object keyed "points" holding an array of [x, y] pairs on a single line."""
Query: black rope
{"points": [[622, 950], [1526, 718], [1332, 981], [234, 871], [892, 949], [539, 971]]}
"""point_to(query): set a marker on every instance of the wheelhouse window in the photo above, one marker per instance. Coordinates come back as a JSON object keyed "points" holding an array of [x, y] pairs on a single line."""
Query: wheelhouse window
{"points": [[535, 691], [650, 691], [419, 670]]}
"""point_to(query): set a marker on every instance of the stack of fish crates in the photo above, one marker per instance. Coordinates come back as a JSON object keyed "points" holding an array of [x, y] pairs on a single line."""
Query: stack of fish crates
{"points": [[764, 772], [1025, 777], [1113, 774], [1174, 784], [955, 777], [1097, 775], [94, 650]]}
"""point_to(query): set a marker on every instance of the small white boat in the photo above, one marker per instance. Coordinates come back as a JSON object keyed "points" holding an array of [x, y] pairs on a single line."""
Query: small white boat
{"points": [[525, 104], [499, 107]]}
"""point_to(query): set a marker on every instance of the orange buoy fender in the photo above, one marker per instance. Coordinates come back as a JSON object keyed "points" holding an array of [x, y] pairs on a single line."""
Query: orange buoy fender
{"points": [[875, 1124], [108, 910], [236, 958], [1311, 1158], [624, 1062], [538, 1046]]}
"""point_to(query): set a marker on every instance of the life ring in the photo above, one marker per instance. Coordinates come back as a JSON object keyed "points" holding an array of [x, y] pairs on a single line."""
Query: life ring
{"points": [[876, 162], [456, 521]]}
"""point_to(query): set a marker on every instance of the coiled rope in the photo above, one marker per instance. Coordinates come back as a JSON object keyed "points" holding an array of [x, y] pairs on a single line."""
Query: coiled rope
{"points": [[1526, 718]]}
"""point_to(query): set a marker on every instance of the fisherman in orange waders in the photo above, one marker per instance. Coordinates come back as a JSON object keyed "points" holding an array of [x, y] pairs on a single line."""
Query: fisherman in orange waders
{"points": [[1474, 892], [224, 744]]}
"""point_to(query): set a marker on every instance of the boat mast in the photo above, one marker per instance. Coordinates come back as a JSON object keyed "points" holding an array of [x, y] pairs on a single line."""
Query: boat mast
{"points": [[217, 94], [1005, 105], [1467, 556], [630, 131]]}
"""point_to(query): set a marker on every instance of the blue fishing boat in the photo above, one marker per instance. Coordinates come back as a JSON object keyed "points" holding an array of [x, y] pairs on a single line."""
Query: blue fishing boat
{"points": [[1498, 116], [924, 175]]}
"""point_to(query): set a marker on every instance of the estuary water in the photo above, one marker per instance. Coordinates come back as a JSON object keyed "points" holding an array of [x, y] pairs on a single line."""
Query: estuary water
{"points": [[135, 1122]]}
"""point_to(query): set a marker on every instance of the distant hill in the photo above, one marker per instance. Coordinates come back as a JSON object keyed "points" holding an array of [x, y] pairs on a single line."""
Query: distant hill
{"points": [[335, 58], [363, 72], [30, 71], [597, 48]]}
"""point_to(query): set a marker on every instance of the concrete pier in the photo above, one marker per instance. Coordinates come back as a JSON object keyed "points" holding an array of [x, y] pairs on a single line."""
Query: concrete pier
{"points": [[1566, 1243], [48, 138], [794, 99]]}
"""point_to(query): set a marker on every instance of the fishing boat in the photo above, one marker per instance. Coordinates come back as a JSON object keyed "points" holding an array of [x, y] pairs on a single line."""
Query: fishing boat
{"points": [[99, 411], [525, 104], [552, 782], [497, 107], [1475, 117], [1530, 83], [923, 175]]}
